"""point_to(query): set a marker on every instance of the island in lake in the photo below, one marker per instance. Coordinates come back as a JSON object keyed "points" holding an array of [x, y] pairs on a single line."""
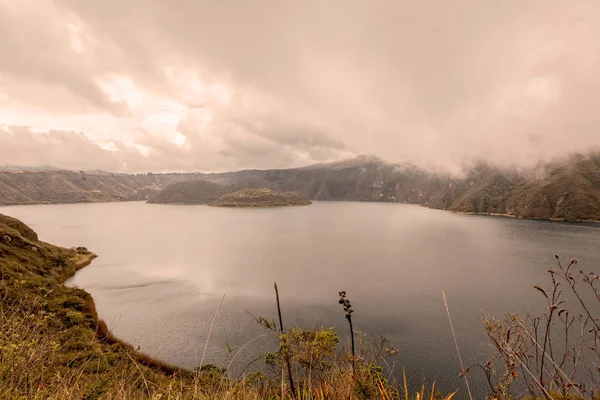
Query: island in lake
{"points": [[261, 198]]}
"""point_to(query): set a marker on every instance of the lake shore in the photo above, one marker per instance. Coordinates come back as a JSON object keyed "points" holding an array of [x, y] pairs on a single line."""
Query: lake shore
{"points": [[102, 331], [591, 221]]}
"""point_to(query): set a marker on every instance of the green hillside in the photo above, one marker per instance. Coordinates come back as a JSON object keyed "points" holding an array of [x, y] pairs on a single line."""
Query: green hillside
{"points": [[260, 198]]}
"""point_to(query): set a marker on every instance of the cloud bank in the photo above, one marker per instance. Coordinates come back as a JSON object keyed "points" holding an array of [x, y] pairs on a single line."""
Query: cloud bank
{"points": [[221, 85]]}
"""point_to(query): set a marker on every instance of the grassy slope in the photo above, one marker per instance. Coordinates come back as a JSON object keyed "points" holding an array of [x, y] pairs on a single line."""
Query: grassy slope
{"points": [[361, 180], [569, 190], [190, 192], [34, 187], [205, 192], [52, 344], [260, 198]]}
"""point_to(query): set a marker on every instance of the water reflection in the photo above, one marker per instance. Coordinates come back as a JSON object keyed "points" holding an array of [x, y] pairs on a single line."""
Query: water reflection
{"points": [[163, 269]]}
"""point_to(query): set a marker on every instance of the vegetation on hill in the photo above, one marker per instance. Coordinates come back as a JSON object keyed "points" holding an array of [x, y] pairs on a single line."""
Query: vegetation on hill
{"points": [[190, 192], [260, 198], [565, 190], [205, 192], [568, 191], [52, 344], [362, 179], [250, 182], [35, 187], [359, 179]]}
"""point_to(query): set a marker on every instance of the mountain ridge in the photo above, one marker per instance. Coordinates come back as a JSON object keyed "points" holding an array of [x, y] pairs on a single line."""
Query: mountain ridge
{"points": [[567, 190]]}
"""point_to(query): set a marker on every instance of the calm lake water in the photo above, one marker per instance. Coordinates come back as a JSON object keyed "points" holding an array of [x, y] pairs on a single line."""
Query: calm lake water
{"points": [[162, 270]]}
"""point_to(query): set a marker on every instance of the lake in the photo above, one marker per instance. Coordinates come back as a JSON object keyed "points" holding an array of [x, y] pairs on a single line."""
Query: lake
{"points": [[162, 270]]}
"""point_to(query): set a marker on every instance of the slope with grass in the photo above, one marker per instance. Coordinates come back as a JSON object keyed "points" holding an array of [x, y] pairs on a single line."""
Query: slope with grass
{"points": [[261, 198], [190, 192], [359, 179], [35, 187], [205, 192], [568, 190], [52, 344]]}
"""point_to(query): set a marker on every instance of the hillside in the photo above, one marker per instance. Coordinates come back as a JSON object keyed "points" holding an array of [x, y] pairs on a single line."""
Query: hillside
{"points": [[364, 178], [35, 187], [568, 190], [52, 344], [260, 198], [201, 191], [190, 192], [564, 190], [359, 179]]}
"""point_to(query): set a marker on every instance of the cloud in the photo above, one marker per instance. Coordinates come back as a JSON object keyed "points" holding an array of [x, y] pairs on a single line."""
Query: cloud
{"points": [[38, 68], [275, 84]]}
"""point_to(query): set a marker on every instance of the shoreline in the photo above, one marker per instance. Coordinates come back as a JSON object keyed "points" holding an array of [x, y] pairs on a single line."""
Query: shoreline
{"points": [[491, 214], [50, 203], [488, 214], [103, 333], [258, 205]]}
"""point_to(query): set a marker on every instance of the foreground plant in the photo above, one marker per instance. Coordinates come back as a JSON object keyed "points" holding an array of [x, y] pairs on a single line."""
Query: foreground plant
{"points": [[349, 311], [555, 355]]}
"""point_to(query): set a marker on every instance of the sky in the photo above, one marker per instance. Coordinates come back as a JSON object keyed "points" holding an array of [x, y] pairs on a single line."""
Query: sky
{"points": [[217, 85]]}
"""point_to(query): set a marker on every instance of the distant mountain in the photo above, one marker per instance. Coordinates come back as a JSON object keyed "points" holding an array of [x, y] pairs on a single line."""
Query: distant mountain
{"points": [[565, 190], [7, 167], [190, 192], [201, 191], [365, 178], [35, 187], [360, 179], [260, 198], [568, 190]]}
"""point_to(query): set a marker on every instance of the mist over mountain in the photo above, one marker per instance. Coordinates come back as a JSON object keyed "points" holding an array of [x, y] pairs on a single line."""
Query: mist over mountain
{"points": [[565, 189], [86, 87]]}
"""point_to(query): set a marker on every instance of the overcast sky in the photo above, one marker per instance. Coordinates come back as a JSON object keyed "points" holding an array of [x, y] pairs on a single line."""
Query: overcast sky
{"points": [[157, 85]]}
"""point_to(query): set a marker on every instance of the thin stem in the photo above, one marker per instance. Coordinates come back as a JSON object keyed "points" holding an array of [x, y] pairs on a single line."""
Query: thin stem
{"points": [[462, 366], [352, 342], [281, 332]]}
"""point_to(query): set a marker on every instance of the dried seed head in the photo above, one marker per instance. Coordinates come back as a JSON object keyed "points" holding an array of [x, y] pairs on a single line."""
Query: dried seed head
{"points": [[346, 303], [574, 261], [556, 256], [541, 290]]}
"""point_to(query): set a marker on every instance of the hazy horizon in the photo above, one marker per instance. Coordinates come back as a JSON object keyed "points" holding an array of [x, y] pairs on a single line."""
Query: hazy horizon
{"points": [[225, 86], [461, 172]]}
